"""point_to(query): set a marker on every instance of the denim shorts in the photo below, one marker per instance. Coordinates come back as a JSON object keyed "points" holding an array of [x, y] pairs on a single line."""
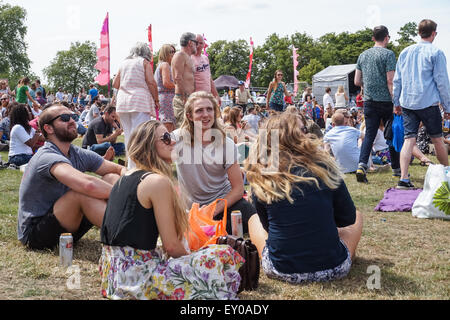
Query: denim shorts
{"points": [[336, 273], [276, 107], [431, 118]]}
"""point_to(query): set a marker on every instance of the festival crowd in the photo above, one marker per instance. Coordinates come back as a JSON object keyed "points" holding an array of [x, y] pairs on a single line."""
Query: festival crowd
{"points": [[298, 211]]}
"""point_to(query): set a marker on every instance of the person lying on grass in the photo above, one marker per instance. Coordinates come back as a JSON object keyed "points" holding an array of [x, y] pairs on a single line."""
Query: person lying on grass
{"points": [[55, 194], [307, 227]]}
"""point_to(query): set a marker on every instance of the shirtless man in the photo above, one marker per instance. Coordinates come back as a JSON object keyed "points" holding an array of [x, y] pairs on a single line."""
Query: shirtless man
{"points": [[183, 74]]}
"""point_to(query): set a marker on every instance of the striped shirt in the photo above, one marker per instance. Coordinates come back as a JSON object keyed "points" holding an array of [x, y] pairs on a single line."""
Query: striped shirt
{"points": [[134, 95]]}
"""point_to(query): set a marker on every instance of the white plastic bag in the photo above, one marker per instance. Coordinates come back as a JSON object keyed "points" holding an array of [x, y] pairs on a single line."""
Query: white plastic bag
{"points": [[423, 207]]}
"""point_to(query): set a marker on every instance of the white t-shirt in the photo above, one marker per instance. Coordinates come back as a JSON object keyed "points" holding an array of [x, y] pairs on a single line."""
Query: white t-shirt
{"points": [[379, 142], [340, 100], [344, 144], [253, 121], [18, 137], [327, 100], [36, 113], [94, 110]]}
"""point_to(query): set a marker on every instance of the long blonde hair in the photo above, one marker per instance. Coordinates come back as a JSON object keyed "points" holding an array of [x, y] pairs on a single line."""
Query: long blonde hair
{"points": [[141, 150], [295, 150], [165, 52], [188, 125]]}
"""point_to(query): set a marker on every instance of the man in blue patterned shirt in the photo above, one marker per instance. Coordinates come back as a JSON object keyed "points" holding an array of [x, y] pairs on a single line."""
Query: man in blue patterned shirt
{"points": [[420, 84]]}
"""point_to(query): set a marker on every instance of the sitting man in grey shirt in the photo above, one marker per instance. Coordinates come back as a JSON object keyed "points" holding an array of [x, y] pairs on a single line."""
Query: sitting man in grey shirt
{"points": [[55, 194], [208, 167]]}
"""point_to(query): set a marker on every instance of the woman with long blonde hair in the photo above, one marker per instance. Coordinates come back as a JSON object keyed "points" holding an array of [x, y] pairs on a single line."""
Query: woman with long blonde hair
{"points": [[143, 206], [166, 85], [341, 98], [307, 227]]}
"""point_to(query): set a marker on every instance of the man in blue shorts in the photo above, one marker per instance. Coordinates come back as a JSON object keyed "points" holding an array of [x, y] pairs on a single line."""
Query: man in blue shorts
{"points": [[420, 84]]}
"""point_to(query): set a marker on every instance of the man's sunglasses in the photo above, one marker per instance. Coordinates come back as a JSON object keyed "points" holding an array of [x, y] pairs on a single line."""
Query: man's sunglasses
{"points": [[65, 117], [167, 139], [195, 41]]}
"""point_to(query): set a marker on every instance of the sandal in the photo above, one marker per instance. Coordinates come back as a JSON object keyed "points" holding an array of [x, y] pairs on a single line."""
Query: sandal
{"points": [[426, 163]]}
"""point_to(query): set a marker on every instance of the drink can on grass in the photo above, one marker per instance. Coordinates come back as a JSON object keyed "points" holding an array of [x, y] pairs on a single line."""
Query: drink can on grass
{"points": [[66, 249], [236, 224], [446, 126]]}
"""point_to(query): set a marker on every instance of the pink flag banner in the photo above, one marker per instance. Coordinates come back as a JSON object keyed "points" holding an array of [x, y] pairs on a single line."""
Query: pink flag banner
{"points": [[103, 55], [249, 75], [150, 44], [295, 57], [206, 46]]}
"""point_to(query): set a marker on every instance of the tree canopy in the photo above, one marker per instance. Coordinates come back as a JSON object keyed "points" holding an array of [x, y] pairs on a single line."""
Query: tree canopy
{"points": [[275, 53], [73, 69], [14, 61]]}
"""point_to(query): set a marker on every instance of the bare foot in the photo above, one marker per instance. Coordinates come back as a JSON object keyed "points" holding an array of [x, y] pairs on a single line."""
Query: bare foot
{"points": [[110, 154]]}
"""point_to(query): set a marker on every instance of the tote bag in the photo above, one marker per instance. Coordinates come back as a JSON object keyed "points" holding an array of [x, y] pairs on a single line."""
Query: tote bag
{"points": [[423, 207]]}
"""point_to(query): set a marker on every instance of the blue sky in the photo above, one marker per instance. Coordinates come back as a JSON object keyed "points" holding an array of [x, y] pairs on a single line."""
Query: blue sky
{"points": [[53, 25]]}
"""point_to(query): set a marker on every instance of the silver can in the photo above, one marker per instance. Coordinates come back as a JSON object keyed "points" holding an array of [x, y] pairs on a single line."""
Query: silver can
{"points": [[236, 224], [66, 249]]}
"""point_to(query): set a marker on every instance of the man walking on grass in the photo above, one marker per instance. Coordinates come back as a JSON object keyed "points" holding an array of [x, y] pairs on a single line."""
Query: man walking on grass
{"points": [[375, 71], [420, 84], [55, 194]]}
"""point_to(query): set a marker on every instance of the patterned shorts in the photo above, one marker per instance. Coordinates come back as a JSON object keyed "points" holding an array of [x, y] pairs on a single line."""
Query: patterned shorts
{"points": [[339, 272]]}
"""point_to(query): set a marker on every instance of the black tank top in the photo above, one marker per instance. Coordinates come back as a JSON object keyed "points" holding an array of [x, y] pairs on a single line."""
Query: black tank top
{"points": [[126, 223]]}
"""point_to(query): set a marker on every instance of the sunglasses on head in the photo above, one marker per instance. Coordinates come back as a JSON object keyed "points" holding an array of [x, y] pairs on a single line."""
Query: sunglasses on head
{"points": [[167, 138], [65, 117], [195, 41]]}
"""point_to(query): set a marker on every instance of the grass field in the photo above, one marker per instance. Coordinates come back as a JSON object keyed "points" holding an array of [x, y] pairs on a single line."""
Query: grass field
{"points": [[412, 255]]}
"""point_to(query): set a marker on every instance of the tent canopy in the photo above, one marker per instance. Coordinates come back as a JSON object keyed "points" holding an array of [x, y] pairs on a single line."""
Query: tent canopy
{"points": [[335, 73], [226, 82], [333, 77]]}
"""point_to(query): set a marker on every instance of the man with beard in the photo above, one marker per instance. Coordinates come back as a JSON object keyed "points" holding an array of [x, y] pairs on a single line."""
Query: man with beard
{"points": [[55, 194]]}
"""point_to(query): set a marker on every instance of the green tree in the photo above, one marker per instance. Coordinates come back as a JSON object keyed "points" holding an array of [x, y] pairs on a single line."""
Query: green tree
{"points": [[73, 69], [275, 54], [307, 72], [14, 61], [229, 58], [407, 34], [343, 48]]}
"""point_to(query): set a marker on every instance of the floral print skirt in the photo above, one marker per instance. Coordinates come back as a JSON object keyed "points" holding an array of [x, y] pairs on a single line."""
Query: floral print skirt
{"points": [[208, 274]]}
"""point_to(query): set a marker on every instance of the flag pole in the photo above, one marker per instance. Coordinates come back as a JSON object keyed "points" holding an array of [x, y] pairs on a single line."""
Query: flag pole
{"points": [[109, 60]]}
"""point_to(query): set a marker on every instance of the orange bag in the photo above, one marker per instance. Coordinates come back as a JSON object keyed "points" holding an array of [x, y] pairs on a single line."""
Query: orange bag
{"points": [[204, 230]]}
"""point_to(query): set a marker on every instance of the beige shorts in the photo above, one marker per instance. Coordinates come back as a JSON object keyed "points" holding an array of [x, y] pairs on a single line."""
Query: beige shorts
{"points": [[178, 110]]}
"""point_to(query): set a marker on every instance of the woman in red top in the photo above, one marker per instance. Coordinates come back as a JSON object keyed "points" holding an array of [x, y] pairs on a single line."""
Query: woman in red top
{"points": [[360, 99]]}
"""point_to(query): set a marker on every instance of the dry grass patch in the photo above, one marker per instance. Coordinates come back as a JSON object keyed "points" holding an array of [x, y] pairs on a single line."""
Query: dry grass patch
{"points": [[411, 254]]}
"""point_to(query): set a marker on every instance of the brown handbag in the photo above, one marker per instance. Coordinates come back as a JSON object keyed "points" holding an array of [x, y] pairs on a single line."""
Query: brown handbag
{"points": [[250, 269]]}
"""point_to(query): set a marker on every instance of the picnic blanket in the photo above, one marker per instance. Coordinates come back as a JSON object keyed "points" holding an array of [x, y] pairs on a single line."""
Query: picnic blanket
{"points": [[396, 200]]}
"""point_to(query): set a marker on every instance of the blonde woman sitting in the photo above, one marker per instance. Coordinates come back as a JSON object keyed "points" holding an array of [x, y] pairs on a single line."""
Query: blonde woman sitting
{"points": [[144, 205], [307, 227]]}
